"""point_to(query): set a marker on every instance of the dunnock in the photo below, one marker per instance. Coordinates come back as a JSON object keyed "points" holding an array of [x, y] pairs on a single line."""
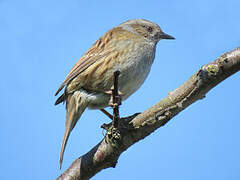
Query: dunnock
{"points": [[129, 48]]}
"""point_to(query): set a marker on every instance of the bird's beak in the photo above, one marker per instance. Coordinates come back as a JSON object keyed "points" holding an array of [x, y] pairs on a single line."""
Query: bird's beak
{"points": [[163, 35]]}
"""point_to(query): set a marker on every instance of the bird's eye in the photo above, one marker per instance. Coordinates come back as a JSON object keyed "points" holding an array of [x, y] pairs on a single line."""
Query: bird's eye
{"points": [[150, 29]]}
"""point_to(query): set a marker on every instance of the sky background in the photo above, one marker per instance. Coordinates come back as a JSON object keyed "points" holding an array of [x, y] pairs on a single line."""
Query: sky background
{"points": [[41, 40]]}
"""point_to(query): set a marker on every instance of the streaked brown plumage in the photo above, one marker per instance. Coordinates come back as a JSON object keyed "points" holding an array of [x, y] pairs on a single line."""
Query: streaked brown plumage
{"points": [[130, 48]]}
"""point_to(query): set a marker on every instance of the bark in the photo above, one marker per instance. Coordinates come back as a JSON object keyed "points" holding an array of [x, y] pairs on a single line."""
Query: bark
{"points": [[136, 127]]}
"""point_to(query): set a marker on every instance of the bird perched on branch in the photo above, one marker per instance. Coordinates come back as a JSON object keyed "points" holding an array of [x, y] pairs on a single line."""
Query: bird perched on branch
{"points": [[128, 48]]}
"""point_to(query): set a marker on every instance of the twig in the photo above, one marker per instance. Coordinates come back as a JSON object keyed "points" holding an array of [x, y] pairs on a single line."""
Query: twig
{"points": [[107, 113], [116, 100]]}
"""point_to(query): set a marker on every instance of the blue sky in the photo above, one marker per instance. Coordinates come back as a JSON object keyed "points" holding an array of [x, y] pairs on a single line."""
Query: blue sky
{"points": [[41, 40]]}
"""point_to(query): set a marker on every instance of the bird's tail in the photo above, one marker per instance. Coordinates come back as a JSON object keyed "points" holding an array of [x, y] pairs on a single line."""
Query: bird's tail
{"points": [[75, 105]]}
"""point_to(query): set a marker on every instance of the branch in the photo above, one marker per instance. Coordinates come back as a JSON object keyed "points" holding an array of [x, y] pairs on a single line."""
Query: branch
{"points": [[136, 127]]}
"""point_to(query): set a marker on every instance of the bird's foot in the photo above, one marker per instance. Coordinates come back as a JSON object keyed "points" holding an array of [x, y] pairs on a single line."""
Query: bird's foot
{"points": [[117, 98]]}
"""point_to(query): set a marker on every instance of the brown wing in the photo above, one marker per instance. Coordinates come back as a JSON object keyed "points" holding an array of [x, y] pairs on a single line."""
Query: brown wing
{"points": [[87, 60], [97, 51], [100, 50], [83, 63]]}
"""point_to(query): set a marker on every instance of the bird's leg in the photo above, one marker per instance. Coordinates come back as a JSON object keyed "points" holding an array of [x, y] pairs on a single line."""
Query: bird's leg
{"points": [[118, 98], [106, 113], [115, 100]]}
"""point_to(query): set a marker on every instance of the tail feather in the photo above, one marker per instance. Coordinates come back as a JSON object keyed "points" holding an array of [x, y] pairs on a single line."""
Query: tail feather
{"points": [[64, 142], [60, 99], [76, 104]]}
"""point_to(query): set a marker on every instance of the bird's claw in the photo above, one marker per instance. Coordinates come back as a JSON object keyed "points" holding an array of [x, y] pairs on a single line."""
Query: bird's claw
{"points": [[118, 99]]}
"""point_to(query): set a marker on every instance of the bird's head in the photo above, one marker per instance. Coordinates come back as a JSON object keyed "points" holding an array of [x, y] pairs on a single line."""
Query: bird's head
{"points": [[147, 29]]}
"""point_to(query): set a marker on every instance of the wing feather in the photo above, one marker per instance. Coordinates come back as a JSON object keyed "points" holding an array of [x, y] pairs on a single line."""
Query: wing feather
{"points": [[100, 50], [80, 66]]}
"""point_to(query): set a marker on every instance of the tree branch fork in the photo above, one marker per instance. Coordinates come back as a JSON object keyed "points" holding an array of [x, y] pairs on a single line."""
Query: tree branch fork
{"points": [[124, 132]]}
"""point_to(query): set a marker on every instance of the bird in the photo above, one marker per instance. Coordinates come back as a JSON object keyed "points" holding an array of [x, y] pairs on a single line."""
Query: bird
{"points": [[128, 48]]}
